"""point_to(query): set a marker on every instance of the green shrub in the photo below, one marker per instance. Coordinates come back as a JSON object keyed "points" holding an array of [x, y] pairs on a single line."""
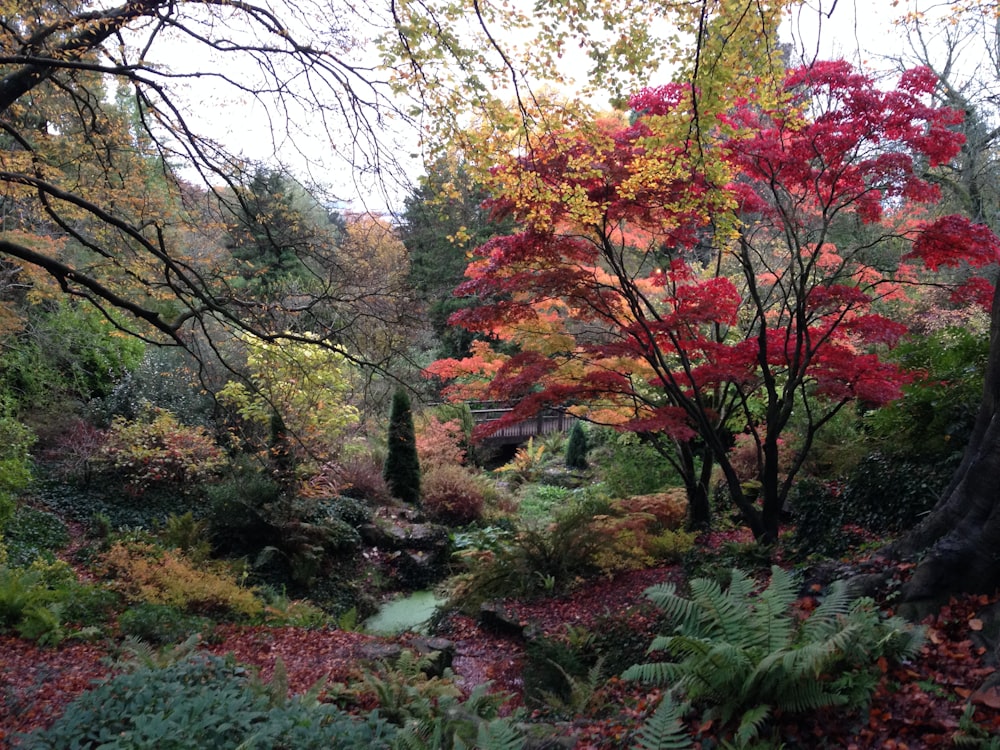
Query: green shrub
{"points": [[820, 520], [540, 502], [202, 703], [15, 465], [744, 657], [32, 600], [160, 624], [189, 535], [536, 559], [32, 533], [576, 448], [295, 541], [353, 511], [431, 711], [451, 495], [886, 494], [402, 465], [167, 379], [634, 468], [933, 420], [552, 666], [68, 350]]}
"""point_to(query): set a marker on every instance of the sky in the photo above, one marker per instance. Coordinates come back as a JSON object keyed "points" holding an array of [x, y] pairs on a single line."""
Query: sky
{"points": [[857, 30]]}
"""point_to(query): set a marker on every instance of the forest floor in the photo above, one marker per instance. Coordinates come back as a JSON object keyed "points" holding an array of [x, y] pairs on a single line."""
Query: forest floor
{"points": [[919, 704]]}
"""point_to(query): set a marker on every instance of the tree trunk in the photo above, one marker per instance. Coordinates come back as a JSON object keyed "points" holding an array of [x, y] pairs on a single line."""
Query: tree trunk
{"points": [[961, 535]]}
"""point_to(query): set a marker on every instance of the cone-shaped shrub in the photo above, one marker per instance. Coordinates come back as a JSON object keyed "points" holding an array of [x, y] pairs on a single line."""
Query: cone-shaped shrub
{"points": [[576, 448], [402, 467]]}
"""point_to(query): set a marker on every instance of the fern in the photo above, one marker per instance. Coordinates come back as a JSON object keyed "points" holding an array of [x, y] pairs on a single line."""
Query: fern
{"points": [[743, 656], [665, 729]]}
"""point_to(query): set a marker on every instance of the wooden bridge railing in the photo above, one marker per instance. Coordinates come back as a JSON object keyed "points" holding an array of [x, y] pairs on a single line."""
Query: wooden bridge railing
{"points": [[550, 420]]}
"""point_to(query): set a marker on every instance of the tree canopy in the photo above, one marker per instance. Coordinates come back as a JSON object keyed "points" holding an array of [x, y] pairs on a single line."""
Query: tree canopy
{"points": [[686, 298]]}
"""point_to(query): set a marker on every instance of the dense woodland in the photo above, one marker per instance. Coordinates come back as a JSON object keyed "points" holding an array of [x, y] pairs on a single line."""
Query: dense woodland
{"points": [[240, 412]]}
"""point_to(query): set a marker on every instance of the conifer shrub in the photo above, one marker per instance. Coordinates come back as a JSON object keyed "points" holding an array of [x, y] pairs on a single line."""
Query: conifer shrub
{"points": [[402, 465], [577, 447], [451, 495]]}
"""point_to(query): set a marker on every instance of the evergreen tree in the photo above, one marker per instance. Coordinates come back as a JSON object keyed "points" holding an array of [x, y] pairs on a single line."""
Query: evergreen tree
{"points": [[576, 448], [402, 467]]}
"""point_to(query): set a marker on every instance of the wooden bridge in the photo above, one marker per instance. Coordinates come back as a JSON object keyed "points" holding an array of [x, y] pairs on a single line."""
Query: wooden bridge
{"points": [[547, 421]]}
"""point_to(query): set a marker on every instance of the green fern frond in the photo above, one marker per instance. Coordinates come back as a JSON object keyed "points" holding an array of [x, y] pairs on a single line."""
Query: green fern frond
{"points": [[499, 734], [658, 674], [776, 627], [665, 729], [677, 609], [827, 617], [750, 724], [726, 613]]}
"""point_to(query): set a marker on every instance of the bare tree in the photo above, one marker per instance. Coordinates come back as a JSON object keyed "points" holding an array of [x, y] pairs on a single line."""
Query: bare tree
{"points": [[105, 171]]}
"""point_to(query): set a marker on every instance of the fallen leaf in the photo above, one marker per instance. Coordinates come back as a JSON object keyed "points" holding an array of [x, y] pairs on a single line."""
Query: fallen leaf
{"points": [[989, 697], [975, 624]]}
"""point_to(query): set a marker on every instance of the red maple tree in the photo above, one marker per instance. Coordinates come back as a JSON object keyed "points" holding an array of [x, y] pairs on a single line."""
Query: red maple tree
{"points": [[689, 294]]}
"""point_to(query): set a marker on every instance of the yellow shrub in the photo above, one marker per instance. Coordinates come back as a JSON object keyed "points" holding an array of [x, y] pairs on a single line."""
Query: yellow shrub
{"points": [[670, 545], [144, 573]]}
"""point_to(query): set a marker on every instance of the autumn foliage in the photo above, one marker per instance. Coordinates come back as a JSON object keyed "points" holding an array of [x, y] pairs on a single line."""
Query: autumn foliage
{"points": [[689, 294]]}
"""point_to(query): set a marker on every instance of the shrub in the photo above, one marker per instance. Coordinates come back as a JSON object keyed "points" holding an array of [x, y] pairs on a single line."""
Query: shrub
{"points": [[363, 479], [887, 494], [160, 452], [452, 495], [301, 387], [160, 624], [76, 452], [641, 532], [634, 468], [166, 378], [933, 420], [669, 508], [352, 511], [402, 465], [15, 464], [31, 533], [743, 657], [526, 464], [440, 443], [187, 534], [203, 703], [143, 573], [33, 600], [538, 558], [820, 520], [576, 449], [540, 502]]}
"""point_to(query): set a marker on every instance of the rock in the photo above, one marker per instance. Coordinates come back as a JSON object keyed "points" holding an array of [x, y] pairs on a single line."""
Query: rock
{"points": [[439, 651], [493, 616], [380, 652], [396, 535]]}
